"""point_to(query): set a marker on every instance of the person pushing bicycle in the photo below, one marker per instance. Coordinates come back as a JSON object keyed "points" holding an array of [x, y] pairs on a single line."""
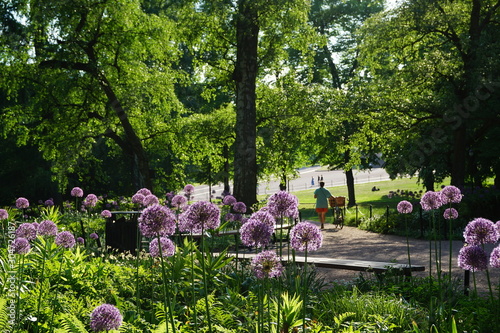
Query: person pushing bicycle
{"points": [[321, 195]]}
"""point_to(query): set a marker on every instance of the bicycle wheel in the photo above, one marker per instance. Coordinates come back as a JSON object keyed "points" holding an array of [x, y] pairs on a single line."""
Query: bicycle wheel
{"points": [[340, 218]]}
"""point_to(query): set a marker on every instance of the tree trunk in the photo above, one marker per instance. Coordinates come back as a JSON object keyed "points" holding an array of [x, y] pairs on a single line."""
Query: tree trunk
{"points": [[245, 73], [350, 188], [227, 187]]}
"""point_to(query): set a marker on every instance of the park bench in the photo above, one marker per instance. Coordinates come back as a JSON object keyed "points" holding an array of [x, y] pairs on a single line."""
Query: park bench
{"points": [[376, 267]]}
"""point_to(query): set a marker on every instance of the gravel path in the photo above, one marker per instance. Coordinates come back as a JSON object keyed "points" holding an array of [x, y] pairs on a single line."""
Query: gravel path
{"points": [[353, 243]]}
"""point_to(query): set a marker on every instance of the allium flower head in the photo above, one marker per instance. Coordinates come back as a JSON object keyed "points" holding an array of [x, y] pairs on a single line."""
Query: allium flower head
{"points": [[94, 235], [451, 194], [90, 200], [495, 257], [305, 235], [189, 189], [105, 317], [106, 213], [267, 265], [76, 192], [35, 225], [65, 239], [157, 220], [480, 231], [80, 240], [256, 233], [200, 216], [450, 214], [178, 201], [22, 203], [264, 216], [26, 230], [4, 215], [229, 217], [283, 204], [405, 207], [20, 245], [150, 199], [473, 258], [47, 228], [49, 203], [229, 200], [240, 207], [431, 200], [144, 191], [167, 247], [138, 199]]}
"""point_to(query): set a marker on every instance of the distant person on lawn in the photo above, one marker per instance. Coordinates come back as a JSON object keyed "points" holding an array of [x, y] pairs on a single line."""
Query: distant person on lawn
{"points": [[322, 194]]}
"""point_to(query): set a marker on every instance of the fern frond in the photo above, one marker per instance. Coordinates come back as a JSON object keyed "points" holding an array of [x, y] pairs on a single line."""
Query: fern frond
{"points": [[71, 324]]}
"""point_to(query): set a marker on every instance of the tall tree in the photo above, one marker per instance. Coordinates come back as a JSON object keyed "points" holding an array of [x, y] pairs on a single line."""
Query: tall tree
{"points": [[98, 69]]}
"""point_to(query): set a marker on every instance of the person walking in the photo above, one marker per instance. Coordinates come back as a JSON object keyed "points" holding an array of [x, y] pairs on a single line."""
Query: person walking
{"points": [[321, 195]]}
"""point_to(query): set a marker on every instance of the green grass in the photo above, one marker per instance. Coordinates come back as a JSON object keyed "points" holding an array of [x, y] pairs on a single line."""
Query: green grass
{"points": [[368, 202]]}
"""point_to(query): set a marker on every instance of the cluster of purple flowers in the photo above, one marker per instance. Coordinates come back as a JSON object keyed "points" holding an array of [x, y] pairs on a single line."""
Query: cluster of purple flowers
{"points": [[188, 191], [229, 200], [472, 256], [178, 201], [405, 207], [240, 207], [167, 247], [157, 220], [76, 192], [305, 236], [105, 317], [90, 201], [47, 228], [265, 217], [22, 203], [200, 216], [4, 215], [26, 230], [150, 200], [448, 195], [20, 245], [267, 264], [283, 204], [65, 239], [106, 213], [450, 214], [255, 233]]}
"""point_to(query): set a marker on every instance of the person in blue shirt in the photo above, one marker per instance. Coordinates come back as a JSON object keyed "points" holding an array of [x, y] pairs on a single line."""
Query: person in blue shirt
{"points": [[322, 194]]}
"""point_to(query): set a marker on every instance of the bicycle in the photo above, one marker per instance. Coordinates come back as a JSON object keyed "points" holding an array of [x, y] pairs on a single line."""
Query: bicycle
{"points": [[338, 206]]}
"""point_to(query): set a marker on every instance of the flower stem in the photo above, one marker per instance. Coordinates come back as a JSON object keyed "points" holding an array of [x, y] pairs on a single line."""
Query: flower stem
{"points": [[205, 281], [166, 294]]}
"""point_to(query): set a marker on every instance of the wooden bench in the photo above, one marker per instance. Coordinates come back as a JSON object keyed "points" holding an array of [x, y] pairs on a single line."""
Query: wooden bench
{"points": [[376, 267]]}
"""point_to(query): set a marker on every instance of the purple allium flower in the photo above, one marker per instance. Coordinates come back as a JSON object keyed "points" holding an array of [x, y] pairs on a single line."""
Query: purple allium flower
{"points": [[80, 240], [305, 235], [495, 257], [240, 207], [170, 195], [105, 317], [150, 199], [35, 225], [94, 235], [178, 201], [431, 200], [49, 203], [450, 214], [90, 200], [22, 203], [229, 217], [451, 194], [264, 216], [472, 258], [189, 189], [283, 204], [65, 239], [405, 207], [77, 192], [267, 265], [157, 220], [200, 216], [4, 215], [20, 245], [480, 231], [47, 228], [144, 191], [138, 198], [167, 247], [26, 230], [229, 200], [106, 213], [256, 233]]}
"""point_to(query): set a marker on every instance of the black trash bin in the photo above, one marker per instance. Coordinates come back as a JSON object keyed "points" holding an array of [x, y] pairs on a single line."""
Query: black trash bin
{"points": [[121, 231]]}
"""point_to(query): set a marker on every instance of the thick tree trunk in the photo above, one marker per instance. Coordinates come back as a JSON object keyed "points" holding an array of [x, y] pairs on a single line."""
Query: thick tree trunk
{"points": [[245, 73], [351, 196]]}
